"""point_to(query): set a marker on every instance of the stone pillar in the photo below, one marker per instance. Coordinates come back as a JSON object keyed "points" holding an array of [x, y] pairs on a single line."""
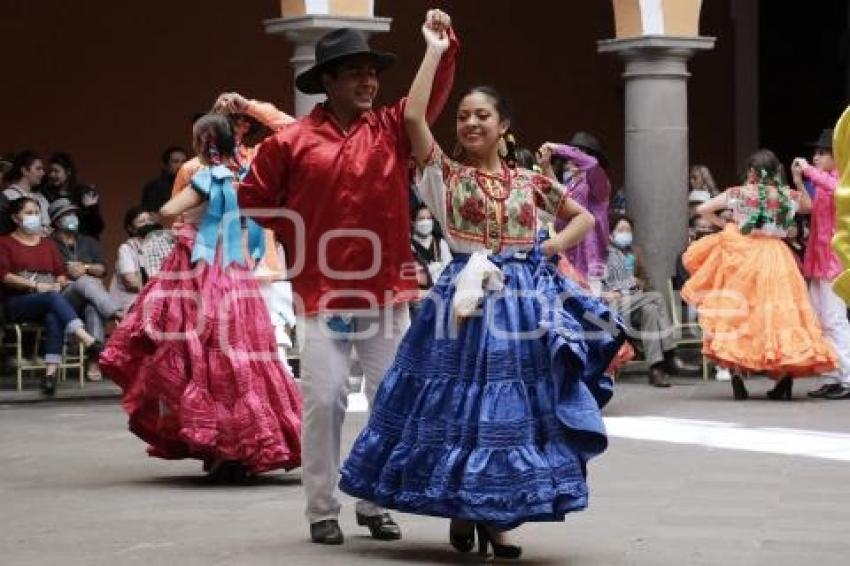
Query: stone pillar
{"points": [[656, 122], [304, 29], [656, 145]]}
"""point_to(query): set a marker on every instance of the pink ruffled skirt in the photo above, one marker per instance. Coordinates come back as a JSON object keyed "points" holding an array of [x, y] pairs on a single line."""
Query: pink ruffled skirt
{"points": [[197, 361]]}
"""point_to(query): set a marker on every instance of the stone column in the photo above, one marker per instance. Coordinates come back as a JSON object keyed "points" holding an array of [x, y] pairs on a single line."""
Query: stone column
{"points": [[656, 144], [304, 31]]}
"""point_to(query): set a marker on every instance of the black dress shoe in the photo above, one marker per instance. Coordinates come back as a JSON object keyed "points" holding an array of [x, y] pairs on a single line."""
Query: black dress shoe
{"points": [[843, 392], [381, 526], [326, 532], [657, 377], [677, 366], [824, 390]]}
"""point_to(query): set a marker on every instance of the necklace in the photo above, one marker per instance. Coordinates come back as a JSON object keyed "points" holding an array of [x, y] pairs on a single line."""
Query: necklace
{"points": [[489, 183]]}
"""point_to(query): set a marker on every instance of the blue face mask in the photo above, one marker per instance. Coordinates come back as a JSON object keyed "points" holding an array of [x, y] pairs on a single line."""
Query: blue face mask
{"points": [[31, 223], [70, 223]]}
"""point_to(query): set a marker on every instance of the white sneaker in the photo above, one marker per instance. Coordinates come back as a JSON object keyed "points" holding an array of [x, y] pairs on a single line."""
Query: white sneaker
{"points": [[723, 374]]}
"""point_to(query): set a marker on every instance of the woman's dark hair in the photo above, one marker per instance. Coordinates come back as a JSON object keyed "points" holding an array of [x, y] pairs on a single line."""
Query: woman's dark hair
{"points": [[616, 219], [525, 158], [166, 154], [415, 210], [23, 160], [501, 103], [132, 213], [17, 205], [503, 107], [765, 160], [65, 161], [214, 136]]}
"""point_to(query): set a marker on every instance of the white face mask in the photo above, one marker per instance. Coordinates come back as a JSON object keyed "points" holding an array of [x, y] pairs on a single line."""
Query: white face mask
{"points": [[424, 227], [31, 223], [699, 196], [623, 240]]}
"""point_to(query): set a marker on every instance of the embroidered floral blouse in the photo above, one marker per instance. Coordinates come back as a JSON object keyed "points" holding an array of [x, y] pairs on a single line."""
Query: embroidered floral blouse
{"points": [[744, 203], [480, 211]]}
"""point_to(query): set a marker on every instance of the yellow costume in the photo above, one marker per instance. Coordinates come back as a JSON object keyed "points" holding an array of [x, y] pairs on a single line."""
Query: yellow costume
{"points": [[841, 241]]}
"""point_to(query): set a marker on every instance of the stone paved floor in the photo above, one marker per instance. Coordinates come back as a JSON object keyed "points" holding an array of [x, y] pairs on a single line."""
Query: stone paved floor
{"points": [[76, 488]]}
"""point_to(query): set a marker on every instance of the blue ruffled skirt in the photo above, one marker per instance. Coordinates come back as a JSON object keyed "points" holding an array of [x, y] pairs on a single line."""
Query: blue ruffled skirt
{"points": [[492, 420]]}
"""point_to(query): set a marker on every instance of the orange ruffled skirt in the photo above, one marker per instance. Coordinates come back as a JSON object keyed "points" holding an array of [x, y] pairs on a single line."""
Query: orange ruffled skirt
{"points": [[754, 307]]}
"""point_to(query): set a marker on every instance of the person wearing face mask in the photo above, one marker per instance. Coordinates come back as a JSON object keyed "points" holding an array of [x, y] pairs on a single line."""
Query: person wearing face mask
{"points": [[84, 269], [33, 275], [429, 249], [647, 320], [130, 275]]}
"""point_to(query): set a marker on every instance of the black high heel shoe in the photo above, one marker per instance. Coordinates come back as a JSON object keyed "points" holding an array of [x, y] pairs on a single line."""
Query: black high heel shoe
{"points": [[739, 390], [783, 390], [461, 540], [499, 550], [48, 385]]}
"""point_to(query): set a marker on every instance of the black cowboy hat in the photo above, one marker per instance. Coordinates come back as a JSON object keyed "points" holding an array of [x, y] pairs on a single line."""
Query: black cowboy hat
{"points": [[824, 141], [334, 47], [589, 144]]}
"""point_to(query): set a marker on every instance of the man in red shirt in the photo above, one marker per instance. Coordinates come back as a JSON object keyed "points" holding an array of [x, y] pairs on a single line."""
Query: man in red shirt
{"points": [[334, 188]]}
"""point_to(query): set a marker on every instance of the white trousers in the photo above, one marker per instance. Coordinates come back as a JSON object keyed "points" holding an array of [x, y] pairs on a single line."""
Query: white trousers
{"points": [[832, 313], [325, 369]]}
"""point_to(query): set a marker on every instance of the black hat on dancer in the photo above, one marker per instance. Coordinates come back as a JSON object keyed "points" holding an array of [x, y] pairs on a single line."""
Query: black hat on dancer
{"points": [[590, 145], [331, 49], [824, 141]]}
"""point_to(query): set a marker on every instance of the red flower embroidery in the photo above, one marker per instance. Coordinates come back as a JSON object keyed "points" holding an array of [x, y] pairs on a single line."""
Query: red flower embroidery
{"points": [[472, 210], [752, 201], [773, 205], [542, 183], [526, 215]]}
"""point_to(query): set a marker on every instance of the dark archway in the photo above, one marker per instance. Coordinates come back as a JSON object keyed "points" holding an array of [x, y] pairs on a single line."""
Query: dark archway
{"points": [[803, 76]]}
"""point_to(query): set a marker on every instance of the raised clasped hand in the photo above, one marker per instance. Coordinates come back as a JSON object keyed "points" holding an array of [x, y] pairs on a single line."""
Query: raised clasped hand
{"points": [[435, 29]]}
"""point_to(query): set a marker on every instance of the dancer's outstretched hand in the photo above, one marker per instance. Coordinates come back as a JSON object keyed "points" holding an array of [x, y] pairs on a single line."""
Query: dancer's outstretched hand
{"points": [[435, 29], [230, 103]]}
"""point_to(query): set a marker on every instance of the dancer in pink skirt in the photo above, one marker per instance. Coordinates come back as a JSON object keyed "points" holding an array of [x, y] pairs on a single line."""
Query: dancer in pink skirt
{"points": [[196, 356]]}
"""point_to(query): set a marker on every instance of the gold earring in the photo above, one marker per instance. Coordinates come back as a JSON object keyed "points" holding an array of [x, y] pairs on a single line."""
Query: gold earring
{"points": [[503, 147]]}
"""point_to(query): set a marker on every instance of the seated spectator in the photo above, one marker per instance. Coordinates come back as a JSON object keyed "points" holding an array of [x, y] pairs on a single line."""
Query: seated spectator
{"points": [[625, 288], [130, 275], [430, 250], [23, 180], [31, 280], [62, 183], [701, 179], [157, 192], [84, 269]]}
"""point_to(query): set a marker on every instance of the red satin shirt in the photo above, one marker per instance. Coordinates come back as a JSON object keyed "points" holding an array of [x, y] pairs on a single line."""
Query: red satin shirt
{"points": [[349, 191]]}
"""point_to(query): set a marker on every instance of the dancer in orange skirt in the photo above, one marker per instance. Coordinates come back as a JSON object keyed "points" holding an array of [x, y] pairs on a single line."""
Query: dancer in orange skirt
{"points": [[752, 300]]}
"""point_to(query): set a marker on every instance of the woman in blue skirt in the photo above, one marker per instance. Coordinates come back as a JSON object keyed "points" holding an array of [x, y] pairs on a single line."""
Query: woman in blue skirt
{"points": [[491, 409]]}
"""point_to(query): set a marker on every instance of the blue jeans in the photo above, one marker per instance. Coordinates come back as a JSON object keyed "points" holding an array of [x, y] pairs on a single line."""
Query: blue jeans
{"points": [[51, 309]]}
